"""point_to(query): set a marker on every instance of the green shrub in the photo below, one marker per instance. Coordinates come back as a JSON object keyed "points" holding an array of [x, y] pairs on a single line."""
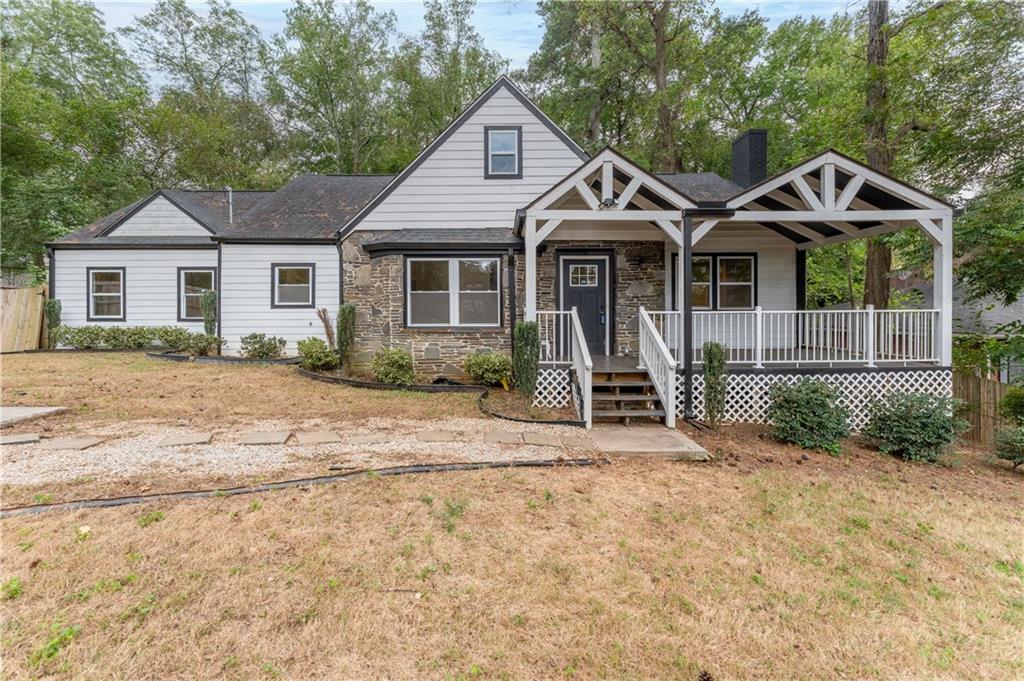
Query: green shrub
{"points": [[913, 426], [715, 382], [80, 337], [394, 366], [262, 346], [208, 306], [128, 337], [1011, 407], [525, 355], [52, 310], [490, 368], [172, 336], [806, 414], [346, 331], [317, 355], [1010, 445], [202, 344]]}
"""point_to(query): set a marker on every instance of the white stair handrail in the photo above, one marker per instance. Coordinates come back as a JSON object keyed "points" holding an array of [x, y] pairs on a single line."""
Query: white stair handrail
{"points": [[657, 360], [583, 365]]}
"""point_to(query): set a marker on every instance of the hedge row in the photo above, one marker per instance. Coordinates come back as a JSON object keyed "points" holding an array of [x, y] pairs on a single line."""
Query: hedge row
{"points": [[134, 338]]}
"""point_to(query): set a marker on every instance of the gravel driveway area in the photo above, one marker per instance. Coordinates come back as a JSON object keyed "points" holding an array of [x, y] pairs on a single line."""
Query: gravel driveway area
{"points": [[132, 449]]}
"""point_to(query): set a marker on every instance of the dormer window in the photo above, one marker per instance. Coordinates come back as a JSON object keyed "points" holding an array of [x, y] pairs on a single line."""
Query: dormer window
{"points": [[503, 152]]}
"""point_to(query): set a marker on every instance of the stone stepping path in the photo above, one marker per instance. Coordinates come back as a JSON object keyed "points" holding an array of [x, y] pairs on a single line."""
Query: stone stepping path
{"points": [[19, 439], [317, 437], [187, 439], [72, 443], [541, 439], [270, 437], [11, 415]]}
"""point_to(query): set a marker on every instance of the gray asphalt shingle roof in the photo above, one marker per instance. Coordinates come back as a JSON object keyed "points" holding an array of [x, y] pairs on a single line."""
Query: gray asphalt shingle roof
{"points": [[455, 239], [701, 186]]}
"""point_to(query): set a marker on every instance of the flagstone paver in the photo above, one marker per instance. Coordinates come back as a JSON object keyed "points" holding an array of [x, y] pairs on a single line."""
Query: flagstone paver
{"points": [[541, 439], [500, 437], [368, 439], [11, 415], [317, 437], [436, 436], [76, 443], [653, 440], [271, 437], [577, 442], [19, 439], [187, 439]]}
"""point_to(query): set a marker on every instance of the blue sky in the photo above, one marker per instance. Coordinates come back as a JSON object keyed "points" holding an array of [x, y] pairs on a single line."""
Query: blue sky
{"points": [[512, 27]]}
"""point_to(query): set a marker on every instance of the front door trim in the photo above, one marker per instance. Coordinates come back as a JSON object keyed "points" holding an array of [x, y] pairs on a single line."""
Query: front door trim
{"points": [[608, 255]]}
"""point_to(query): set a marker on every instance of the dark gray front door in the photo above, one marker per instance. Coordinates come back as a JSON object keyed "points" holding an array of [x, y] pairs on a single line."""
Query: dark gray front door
{"points": [[584, 283]]}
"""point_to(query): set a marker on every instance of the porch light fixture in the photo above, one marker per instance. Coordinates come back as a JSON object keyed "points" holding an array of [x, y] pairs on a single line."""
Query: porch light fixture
{"points": [[609, 202]]}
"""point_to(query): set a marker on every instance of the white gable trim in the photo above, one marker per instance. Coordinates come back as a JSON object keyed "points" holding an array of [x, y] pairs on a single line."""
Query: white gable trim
{"points": [[152, 197], [502, 83]]}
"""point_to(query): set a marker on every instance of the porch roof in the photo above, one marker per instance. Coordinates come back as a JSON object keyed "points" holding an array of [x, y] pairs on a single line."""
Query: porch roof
{"points": [[452, 240]]}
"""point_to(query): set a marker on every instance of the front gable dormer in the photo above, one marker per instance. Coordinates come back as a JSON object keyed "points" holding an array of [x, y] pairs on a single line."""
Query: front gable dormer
{"points": [[159, 215], [495, 158]]}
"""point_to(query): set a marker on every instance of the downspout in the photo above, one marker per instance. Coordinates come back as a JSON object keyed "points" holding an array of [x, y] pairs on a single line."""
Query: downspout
{"points": [[231, 207], [341, 271], [511, 274], [220, 289], [51, 276]]}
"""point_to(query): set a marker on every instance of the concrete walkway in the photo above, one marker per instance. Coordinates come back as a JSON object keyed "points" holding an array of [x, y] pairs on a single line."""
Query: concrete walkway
{"points": [[11, 415], [652, 440]]}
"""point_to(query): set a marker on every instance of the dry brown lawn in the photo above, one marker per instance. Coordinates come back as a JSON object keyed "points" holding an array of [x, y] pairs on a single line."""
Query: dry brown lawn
{"points": [[832, 568], [103, 387]]}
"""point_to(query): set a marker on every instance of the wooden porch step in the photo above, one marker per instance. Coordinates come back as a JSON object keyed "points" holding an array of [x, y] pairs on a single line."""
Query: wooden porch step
{"points": [[622, 384], [628, 413], [626, 397]]}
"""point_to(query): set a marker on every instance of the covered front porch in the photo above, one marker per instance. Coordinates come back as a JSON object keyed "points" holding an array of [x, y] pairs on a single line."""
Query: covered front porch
{"points": [[625, 271]]}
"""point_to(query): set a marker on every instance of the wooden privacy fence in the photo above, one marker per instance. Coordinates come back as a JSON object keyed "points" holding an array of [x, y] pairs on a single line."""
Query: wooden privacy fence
{"points": [[21, 318], [981, 397]]}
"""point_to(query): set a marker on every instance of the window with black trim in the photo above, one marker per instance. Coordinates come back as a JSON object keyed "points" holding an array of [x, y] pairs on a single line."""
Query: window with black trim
{"points": [[191, 285], [453, 292], [293, 285], [719, 282], [106, 294], [503, 151]]}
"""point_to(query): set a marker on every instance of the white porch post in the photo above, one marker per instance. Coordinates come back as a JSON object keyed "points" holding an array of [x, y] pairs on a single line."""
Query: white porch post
{"points": [[680, 322], [942, 275], [530, 244]]}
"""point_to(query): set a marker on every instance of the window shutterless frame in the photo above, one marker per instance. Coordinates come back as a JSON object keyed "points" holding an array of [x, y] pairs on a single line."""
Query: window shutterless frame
{"points": [[93, 297], [495, 132], [275, 285], [182, 293], [454, 291], [713, 260], [747, 285]]}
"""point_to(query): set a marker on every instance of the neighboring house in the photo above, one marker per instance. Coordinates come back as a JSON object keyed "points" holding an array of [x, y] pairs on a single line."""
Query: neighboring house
{"points": [[504, 217]]}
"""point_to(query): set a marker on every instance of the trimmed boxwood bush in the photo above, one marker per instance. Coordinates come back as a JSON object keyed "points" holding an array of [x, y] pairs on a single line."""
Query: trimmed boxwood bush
{"points": [[122, 337], [525, 355], [262, 346], [1010, 445], [346, 331], [394, 366], [317, 355], [202, 344], [490, 368], [715, 382], [913, 426], [806, 414], [172, 336]]}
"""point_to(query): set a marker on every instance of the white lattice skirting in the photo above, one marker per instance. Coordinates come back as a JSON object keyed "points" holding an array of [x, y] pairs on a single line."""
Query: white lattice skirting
{"points": [[553, 388], [746, 400]]}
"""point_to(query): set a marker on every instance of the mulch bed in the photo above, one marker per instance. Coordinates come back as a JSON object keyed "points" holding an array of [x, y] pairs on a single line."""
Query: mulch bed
{"points": [[175, 356]]}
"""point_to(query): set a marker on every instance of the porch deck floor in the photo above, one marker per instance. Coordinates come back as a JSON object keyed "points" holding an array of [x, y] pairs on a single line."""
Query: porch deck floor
{"points": [[629, 364]]}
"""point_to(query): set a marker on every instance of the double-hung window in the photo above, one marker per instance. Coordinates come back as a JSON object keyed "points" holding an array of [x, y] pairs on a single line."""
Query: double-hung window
{"points": [[453, 292], [503, 152], [719, 282], [293, 285], [191, 285], [106, 294]]}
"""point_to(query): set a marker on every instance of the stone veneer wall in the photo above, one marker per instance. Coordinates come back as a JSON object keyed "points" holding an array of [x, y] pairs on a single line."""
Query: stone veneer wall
{"points": [[639, 271], [375, 287]]}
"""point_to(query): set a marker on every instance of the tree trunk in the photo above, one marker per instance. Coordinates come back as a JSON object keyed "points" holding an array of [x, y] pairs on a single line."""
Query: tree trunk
{"points": [[594, 118], [879, 152], [666, 152]]}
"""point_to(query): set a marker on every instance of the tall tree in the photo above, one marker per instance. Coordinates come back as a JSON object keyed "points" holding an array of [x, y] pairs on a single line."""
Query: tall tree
{"points": [[70, 98], [331, 83]]}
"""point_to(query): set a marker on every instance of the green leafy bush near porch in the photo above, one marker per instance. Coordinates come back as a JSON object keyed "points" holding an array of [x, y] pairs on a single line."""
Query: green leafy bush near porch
{"points": [[394, 366], [525, 355], [346, 331], [208, 306], [1010, 445], [1011, 407], [202, 344], [913, 426], [317, 355], [715, 383], [490, 368], [262, 346], [172, 336], [806, 413]]}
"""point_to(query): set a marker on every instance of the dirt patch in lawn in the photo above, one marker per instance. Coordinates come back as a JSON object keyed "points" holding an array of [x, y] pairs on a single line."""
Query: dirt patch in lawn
{"points": [[641, 569], [105, 387], [515, 405]]}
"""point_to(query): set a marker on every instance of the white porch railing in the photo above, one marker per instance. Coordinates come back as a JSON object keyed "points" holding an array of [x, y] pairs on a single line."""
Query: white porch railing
{"points": [[831, 337], [656, 359], [562, 342]]}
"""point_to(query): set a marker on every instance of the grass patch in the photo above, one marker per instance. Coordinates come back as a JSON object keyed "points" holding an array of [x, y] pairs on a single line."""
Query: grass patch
{"points": [[147, 519]]}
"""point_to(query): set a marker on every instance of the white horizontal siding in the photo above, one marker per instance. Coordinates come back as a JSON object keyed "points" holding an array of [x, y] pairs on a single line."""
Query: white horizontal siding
{"points": [[160, 217], [151, 283], [245, 299], [449, 190]]}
